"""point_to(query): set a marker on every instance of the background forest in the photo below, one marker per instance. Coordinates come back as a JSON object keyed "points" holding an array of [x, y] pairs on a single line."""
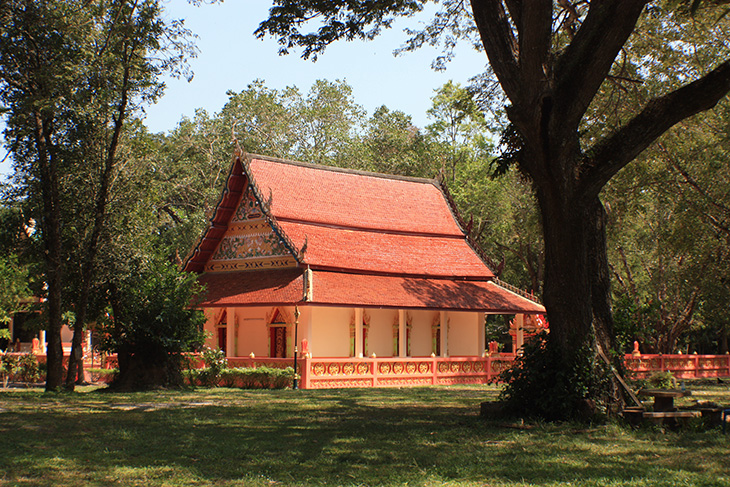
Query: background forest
{"points": [[668, 212]]}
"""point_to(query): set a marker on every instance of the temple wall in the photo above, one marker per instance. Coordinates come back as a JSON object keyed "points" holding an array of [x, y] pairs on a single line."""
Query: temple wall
{"points": [[209, 327], [253, 336], [327, 331], [421, 342], [330, 333], [380, 335], [463, 333]]}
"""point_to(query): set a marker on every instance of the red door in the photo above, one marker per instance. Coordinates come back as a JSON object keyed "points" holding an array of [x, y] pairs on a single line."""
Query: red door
{"points": [[222, 338], [277, 335]]}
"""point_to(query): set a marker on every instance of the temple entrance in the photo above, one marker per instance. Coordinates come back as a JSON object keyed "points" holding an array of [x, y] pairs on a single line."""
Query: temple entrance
{"points": [[277, 346]]}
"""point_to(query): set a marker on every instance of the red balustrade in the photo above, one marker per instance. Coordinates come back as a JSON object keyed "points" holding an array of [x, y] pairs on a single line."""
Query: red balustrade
{"points": [[324, 373]]}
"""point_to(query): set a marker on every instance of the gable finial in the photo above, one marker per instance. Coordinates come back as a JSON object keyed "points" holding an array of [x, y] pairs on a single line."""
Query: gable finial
{"points": [[238, 151]]}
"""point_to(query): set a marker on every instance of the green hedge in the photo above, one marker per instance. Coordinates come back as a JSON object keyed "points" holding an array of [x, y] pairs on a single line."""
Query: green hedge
{"points": [[243, 377]]}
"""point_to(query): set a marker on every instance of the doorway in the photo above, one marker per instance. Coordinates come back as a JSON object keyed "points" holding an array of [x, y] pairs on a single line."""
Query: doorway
{"points": [[277, 348]]}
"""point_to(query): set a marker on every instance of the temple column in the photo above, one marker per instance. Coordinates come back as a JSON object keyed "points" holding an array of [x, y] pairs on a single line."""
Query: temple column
{"points": [[358, 332], [519, 332], [43, 341], [402, 349], [230, 332], [305, 328], [444, 334]]}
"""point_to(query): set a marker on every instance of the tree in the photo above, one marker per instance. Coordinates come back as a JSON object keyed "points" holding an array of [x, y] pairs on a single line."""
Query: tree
{"points": [[15, 287], [72, 71], [551, 60], [458, 124], [151, 324], [393, 145]]}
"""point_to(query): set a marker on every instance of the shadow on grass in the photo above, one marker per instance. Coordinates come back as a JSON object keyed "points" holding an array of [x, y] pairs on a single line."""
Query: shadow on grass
{"points": [[423, 436]]}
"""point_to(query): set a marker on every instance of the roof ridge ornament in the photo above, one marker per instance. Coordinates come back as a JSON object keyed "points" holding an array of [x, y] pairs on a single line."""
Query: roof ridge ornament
{"points": [[239, 150]]}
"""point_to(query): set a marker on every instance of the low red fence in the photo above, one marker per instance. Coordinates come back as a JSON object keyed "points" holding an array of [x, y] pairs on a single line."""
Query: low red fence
{"points": [[324, 373], [681, 366], [328, 373]]}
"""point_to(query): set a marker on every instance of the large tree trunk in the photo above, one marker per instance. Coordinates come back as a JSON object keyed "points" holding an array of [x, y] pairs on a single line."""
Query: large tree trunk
{"points": [[76, 360], [51, 226]]}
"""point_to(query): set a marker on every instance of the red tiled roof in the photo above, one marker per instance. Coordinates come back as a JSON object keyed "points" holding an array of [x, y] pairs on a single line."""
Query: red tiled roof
{"points": [[366, 222], [286, 286], [331, 288], [272, 287], [321, 194], [370, 241], [376, 252]]}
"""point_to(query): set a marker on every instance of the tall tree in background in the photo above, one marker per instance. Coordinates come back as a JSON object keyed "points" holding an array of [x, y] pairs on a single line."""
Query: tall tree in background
{"points": [[551, 60], [72, 71], [458, 124]]}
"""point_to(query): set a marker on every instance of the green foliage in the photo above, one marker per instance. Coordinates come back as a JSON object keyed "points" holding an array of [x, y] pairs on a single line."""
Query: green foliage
{"points": [[215, 364], [339, 20], [14, 278], [8, 367], [23, 368], [28, 369], [661, 380], [151, 323], [261, 377], [544, 383]]}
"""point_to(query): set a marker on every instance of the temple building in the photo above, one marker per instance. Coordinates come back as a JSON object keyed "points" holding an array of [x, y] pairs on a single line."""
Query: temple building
{"points": [[370, 279]]}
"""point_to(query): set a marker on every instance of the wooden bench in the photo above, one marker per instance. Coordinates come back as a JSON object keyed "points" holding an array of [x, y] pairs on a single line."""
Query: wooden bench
{"points": [[671, 414], [669, 418]]}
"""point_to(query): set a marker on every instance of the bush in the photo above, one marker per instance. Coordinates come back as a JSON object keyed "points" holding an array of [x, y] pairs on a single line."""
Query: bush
{"points": [[28, 370], [259, 377], [215, 363], [8, 368], [661, 380], [544, 383], [243, 377], [151, 324]]}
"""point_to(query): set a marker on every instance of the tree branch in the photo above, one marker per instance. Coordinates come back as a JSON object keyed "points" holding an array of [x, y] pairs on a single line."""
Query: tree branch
{"points": [[499, 43], [586, 62], [611, 154], [535, 31]]}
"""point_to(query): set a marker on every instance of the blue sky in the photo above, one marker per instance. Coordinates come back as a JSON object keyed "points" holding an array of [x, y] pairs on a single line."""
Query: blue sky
{"points": [[230, 58]]}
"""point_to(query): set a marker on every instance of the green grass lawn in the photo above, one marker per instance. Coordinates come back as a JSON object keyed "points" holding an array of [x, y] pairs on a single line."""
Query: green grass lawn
{"points": [[419, 436]]}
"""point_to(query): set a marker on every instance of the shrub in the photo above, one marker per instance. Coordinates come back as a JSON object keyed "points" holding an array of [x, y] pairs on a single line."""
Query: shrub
{"points": [[545, 383], [151, 324], [8, 368], [215, 364], [28, 370], [661, 380]]}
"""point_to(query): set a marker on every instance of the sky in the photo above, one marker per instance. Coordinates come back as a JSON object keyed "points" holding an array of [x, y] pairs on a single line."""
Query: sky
{"points": [[230, 58]]}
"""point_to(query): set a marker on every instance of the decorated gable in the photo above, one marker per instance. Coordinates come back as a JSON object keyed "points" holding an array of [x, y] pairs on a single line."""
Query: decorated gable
{"points": [[250, 241]]}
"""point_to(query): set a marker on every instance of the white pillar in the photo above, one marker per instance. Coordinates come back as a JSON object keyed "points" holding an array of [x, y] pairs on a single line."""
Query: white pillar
{"points": [[402, 349], [305, 327], [230, 332], [43, 341], [358, 332], [444, 334], [481, 335], [519, 333]]}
